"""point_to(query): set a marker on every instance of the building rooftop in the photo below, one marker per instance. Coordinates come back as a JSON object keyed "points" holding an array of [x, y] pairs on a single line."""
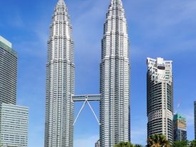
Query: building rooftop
{"points": [[5, 44], [178, 116]]}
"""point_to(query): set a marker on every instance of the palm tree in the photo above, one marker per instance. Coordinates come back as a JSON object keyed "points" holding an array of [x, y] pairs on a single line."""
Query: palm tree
{"points": [[193, 143], [158, 140], [182, 143], [124, 144]]}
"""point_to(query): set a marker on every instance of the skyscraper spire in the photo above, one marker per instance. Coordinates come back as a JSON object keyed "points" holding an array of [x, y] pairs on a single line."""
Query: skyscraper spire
{"points": [[114, 86], [115, 97], [116, 2], [59, 81], [61, 2]]}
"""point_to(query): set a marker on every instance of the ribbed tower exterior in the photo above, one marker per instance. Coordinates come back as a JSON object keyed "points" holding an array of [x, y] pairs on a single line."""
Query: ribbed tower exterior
{"points": [[160, 97], [115, 78], [59, 80]]}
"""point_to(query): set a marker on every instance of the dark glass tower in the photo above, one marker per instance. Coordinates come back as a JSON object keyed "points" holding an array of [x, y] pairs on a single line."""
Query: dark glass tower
{"points": [[114, 86], [8, 72]]}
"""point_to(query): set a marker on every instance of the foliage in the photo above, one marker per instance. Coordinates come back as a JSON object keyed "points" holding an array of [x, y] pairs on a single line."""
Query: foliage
{"points": [[180, 144], [124, 144], [193, 143], [158, 140]]}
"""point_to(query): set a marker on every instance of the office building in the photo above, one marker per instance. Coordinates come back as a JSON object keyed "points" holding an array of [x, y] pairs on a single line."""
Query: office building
{"points": [[8, 72], [13, 125], [59, 81], [115, 78], [160, 97], [97, 144], [13, 118], [114, 94], [180, 133]]}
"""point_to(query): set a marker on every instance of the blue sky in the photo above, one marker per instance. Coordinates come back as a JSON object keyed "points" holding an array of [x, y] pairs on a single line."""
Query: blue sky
{"points": [[156, 29]]}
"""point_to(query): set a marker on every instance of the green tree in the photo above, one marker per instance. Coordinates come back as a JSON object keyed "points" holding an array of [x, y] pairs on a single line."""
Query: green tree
{"points": [[180, 144], [137, 145], [158, 140], [124, 144], [193, 143]]}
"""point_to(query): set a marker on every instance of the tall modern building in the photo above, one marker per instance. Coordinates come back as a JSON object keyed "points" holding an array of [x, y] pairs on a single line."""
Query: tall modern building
{"points": [[115, 80], [13, 125], [160, 97], [13, 118], [59, 80], [195, 118], [180, 133], [8, 72]]}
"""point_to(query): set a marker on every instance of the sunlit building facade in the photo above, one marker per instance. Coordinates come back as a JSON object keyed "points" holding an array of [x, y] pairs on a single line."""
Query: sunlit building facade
{"points": [[160, 97], [115, 78], [180, 133], [13, 125], [59, 80]]}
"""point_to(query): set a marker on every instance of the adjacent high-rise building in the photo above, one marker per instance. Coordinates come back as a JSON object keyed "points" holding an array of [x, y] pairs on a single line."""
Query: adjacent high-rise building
{"points": [[115, 78], [180, 133], [8, 72], [160, 97], [59, 80], [13, 118], [195, 118], [13, 125]]}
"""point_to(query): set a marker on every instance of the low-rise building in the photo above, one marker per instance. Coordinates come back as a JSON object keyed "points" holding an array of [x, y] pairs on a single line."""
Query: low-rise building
{"points": [[180, 132], [13, 125]]}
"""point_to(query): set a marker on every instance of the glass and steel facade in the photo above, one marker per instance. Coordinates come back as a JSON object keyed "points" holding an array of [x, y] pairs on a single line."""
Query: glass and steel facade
{"points": [[114, 97], [180, 132], [8, 72], [160, 97], [59, 81], [115, 78], [13, 125]]}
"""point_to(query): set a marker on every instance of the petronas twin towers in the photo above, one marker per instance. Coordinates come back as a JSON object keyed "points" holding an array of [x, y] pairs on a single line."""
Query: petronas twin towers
{"points": [[114, 83]]}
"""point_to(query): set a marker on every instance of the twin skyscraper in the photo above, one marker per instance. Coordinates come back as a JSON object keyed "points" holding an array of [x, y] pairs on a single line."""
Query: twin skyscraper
{"points": [[114, 83]]}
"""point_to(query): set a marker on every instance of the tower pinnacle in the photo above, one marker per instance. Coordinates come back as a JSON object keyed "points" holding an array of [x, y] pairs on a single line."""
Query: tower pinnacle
{"points": [[61, 1], [116, 2]]}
